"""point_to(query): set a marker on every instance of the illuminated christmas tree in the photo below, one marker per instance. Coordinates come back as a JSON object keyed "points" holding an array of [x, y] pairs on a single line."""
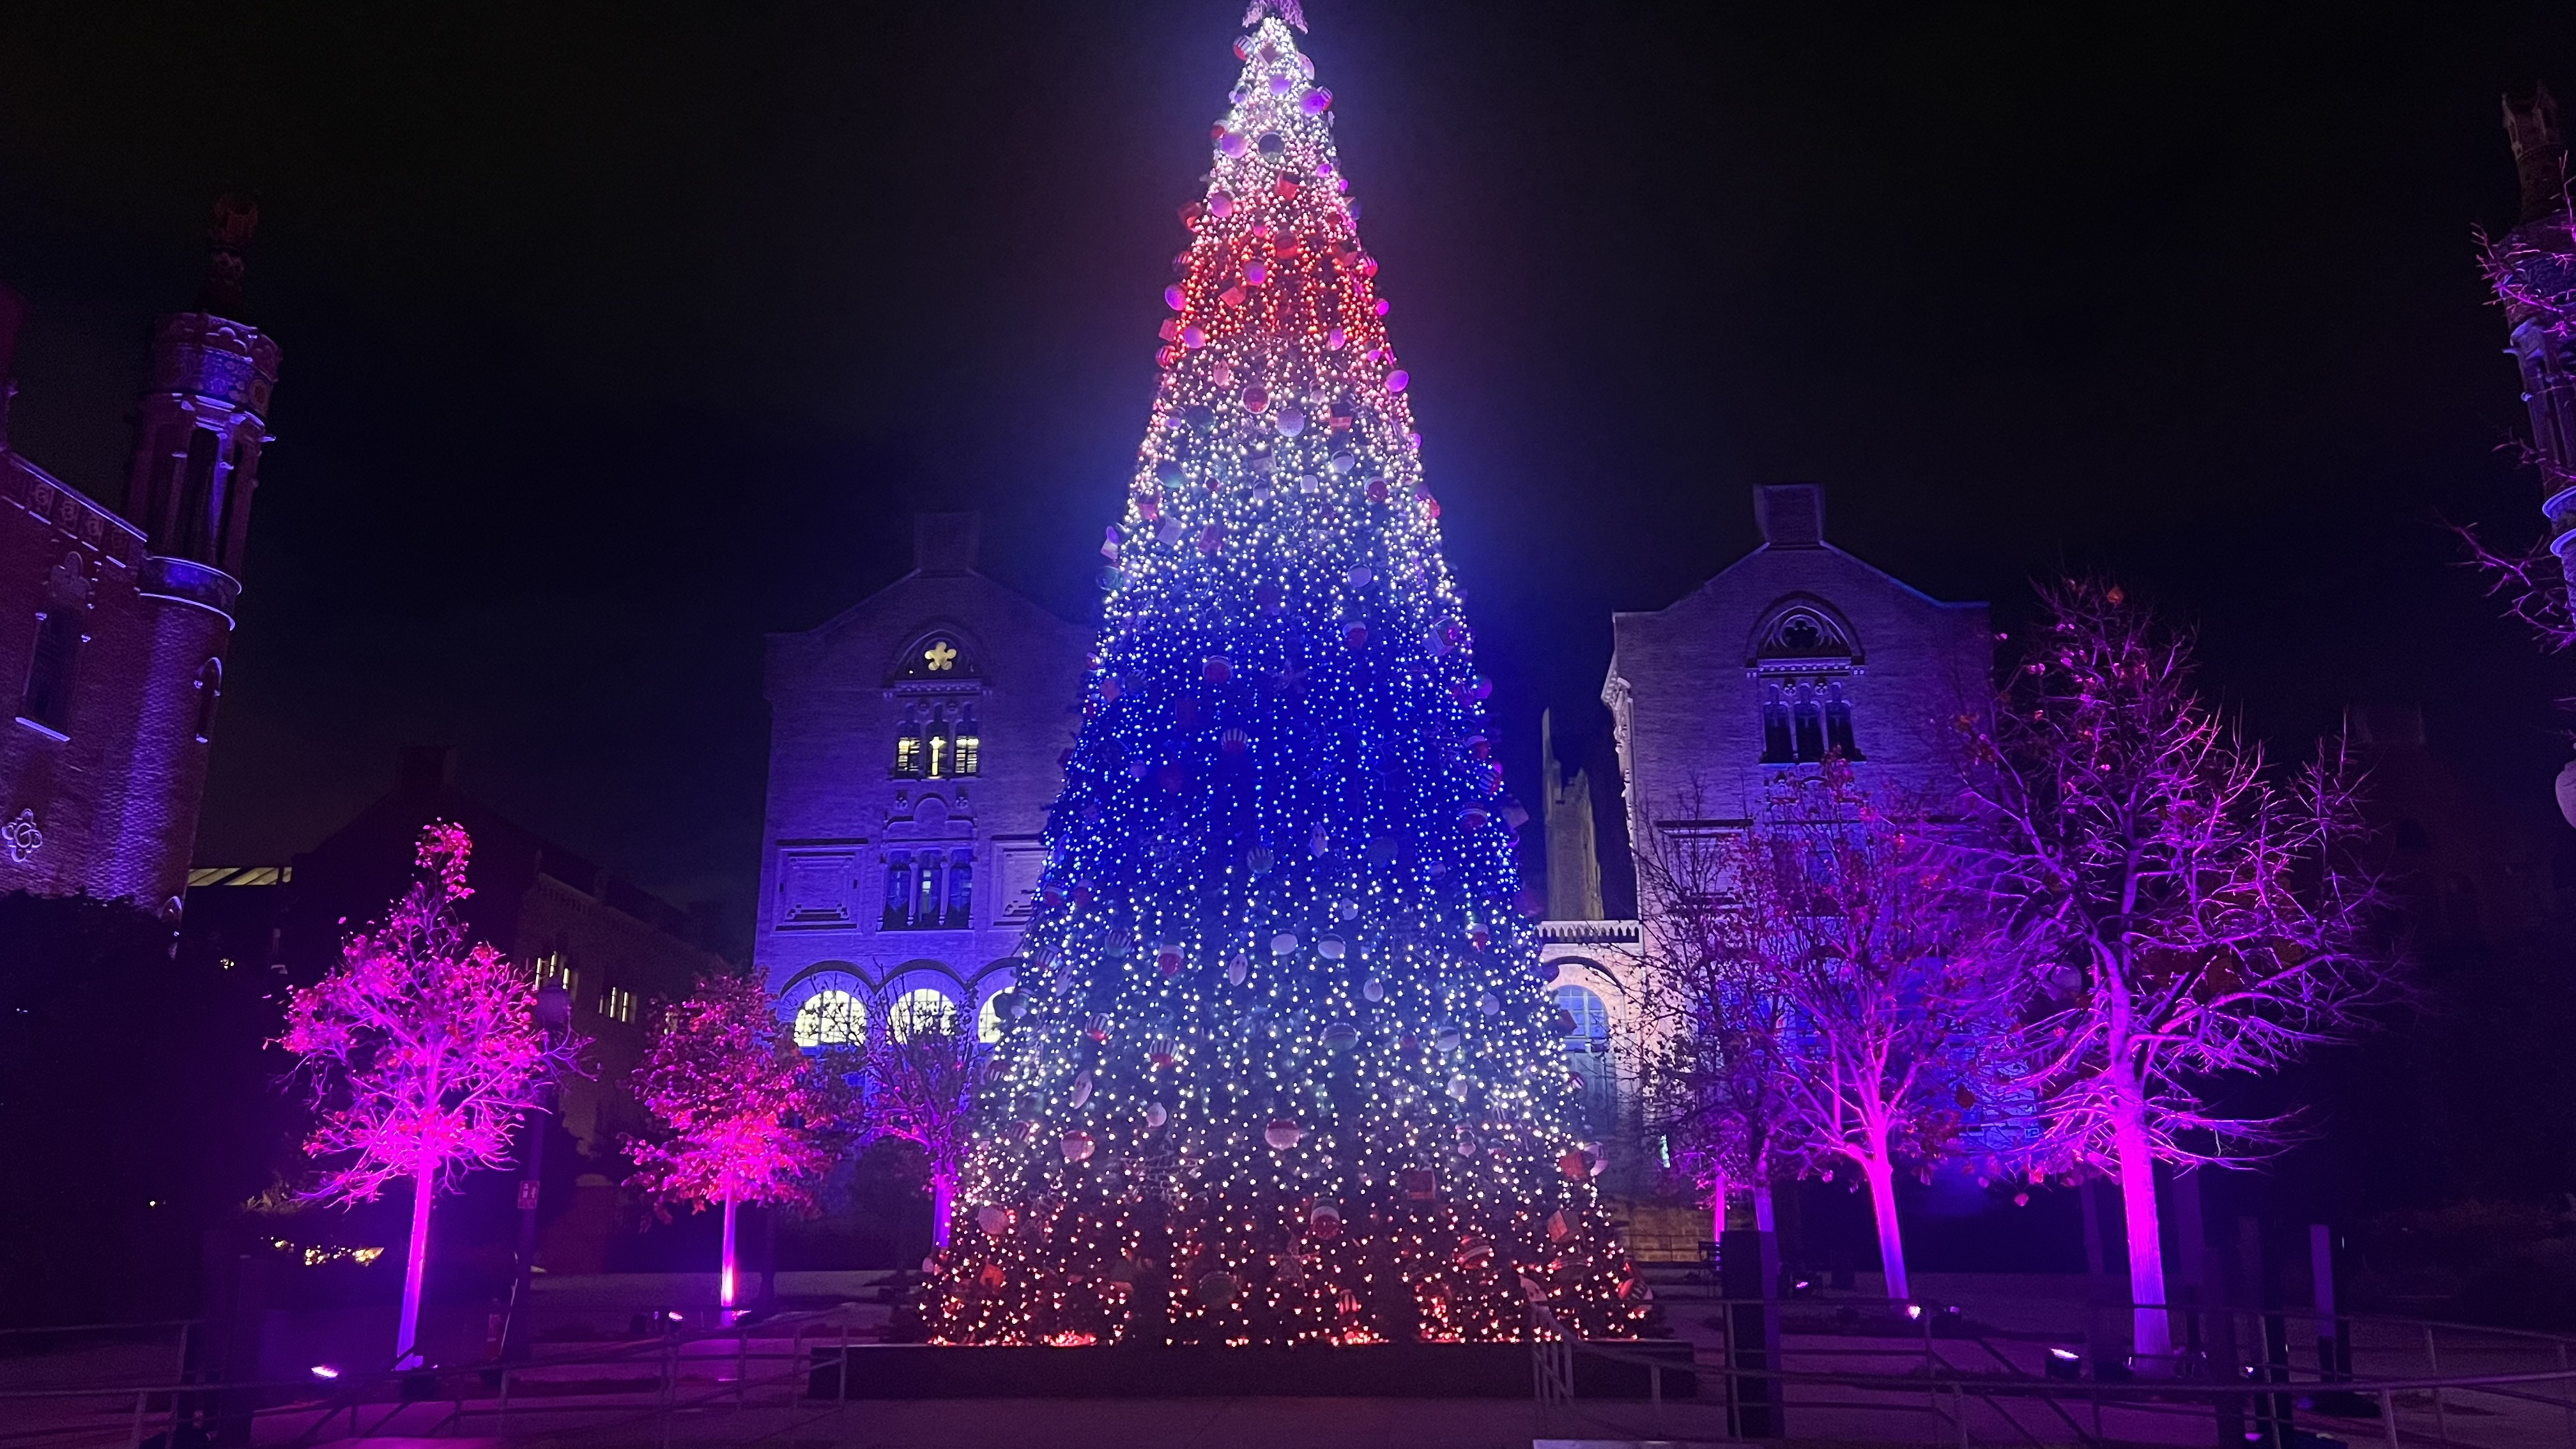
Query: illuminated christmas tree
{"points": [[1279, 1069]]}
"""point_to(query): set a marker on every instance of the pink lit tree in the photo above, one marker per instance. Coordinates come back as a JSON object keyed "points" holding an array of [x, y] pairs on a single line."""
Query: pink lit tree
{"points": [[2191, 914], [740, 1118], [425, 1053], [919, 1088]]}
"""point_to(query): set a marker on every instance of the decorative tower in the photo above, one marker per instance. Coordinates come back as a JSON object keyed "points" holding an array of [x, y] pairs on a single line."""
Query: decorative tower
{"points": [[2534, 271], [200, 427]]}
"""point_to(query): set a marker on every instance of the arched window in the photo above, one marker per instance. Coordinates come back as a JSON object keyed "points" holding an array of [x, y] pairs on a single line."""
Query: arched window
{"points": [[55, 666], [898, 892], [988, 1021], [907, 746], [922, 1009], [831, 1017], [937, 744], [1591, 1019], [210, 688], [1587, 1056], [965, 750], [1776, 747], [961, 893], [1808, 719], [1838, 724]]}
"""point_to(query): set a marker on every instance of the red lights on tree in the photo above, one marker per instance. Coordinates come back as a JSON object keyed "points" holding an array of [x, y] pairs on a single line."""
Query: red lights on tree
{"points": [[737, 1116], [425, 1052]]}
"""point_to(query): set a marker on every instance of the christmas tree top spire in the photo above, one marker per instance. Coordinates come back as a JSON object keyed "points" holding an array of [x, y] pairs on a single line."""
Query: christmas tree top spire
{"points": [[1288, 10]]}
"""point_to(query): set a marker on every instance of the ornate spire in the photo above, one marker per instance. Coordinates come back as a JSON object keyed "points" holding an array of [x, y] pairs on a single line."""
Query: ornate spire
{"points": [[227, 237], [1291, 11]]}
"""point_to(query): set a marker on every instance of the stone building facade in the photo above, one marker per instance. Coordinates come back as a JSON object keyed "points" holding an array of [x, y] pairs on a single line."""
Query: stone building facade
{"points": [[917, 742], [114, 628], [1795, 650]]}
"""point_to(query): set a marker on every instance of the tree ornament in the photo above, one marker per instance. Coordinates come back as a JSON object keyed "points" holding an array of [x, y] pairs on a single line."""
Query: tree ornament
{"points": [[1078, 1146], [1325, 1222], [1155, 1116], [1215, 1290], [1330, 948], [1373, 990], [1283, 1133], [1341, 1036], [1236, 969], [1574, 1166], [993, 1220], [1284, 944], [1081, 1089], [1420, 1184]]}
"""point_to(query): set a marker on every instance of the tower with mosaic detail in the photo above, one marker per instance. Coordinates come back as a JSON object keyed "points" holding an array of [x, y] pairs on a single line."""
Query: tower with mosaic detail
{"points": [[1279, 1067]]}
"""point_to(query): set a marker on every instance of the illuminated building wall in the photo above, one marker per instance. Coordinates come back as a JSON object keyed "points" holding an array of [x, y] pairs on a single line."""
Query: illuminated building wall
{"points": [[916, 741], [114, 629]]}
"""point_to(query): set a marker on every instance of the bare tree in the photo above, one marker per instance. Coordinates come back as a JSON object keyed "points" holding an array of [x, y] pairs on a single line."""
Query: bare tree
{"points": [[920, 1087], [1898, 1000], [2190, 913], [1846, 1002], [1708, 1080]]}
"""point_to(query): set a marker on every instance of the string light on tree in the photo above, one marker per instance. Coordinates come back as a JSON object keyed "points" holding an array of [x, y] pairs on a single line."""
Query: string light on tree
{"points": [[1278, 1069]]}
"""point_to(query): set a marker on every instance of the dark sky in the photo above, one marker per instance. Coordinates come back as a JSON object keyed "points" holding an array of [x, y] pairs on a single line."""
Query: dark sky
{"points": [[617, 335]]}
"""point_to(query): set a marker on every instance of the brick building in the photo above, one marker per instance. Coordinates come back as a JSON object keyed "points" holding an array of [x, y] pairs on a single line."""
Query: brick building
{"points": [[1792, 651], [916, 745], [114, 626]]}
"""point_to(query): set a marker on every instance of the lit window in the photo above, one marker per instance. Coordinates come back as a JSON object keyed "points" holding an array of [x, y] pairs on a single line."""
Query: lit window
{"points": [[907, 753], [988, 1022], [552, 970], [966, 747], [919, 1011], [938, 751], [831, 1017], [1591, 1019], [617, 1004]]}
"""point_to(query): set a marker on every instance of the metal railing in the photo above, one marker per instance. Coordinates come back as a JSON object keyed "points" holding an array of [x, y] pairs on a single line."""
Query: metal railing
{"points": [[462, 1395], [2258, 1386]]}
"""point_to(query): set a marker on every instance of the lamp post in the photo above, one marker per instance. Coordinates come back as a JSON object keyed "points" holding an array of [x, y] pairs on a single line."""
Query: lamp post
{"points": [[554, 1013]]}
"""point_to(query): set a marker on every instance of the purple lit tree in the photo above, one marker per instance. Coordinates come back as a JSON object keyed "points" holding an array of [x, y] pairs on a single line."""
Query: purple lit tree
{"points": [[2190, 915], [425, 1052], [1855, 1002], [739, 1117], [919, 1088]]}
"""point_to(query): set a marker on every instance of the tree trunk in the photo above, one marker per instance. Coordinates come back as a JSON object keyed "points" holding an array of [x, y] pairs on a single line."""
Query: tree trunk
{"points": [[1881, 1176], [1717, 1210], [415, 1267], [943, 1206], [2151, 1340], [724, 1279]]}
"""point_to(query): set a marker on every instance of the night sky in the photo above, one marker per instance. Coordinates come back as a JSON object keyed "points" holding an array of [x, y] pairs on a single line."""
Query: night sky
{"points": [[616, 336]]}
